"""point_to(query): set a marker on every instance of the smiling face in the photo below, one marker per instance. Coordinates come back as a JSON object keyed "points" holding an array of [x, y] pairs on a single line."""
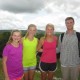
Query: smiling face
{"points": [[69, 24], [16, 37], [49, 30], [32, 30]]}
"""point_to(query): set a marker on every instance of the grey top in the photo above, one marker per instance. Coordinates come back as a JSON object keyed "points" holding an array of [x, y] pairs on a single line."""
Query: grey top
{"points": [[69, 52]]}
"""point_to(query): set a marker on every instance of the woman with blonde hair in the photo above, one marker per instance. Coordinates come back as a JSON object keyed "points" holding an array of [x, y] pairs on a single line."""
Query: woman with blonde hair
{"points": [[48, 60], [29, 52], [12, 57]]}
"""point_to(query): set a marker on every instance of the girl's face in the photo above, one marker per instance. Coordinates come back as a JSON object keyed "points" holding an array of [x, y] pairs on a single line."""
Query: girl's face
{"points": [[49, 30], [32, 31], [16, 37]]}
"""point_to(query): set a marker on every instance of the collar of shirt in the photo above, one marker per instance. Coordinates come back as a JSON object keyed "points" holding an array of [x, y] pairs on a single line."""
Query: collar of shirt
{"points": [[73, 33]]}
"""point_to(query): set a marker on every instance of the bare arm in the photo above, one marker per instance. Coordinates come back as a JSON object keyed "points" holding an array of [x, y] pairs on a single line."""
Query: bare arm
{"points": [[5, 68], [22, 40], [37, 44], [57, 41], [40, 44], [59, 44]]}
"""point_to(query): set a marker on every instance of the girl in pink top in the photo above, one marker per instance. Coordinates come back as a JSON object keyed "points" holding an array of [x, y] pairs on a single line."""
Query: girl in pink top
{"points": [[12, 57], [48, 58]]}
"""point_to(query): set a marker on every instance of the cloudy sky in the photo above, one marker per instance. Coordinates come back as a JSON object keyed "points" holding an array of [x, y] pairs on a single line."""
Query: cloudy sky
{"points": [[20, 13]]}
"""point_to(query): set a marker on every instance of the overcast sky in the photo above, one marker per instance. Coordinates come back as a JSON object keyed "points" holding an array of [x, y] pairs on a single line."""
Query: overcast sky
{"points": [[20, 13]]}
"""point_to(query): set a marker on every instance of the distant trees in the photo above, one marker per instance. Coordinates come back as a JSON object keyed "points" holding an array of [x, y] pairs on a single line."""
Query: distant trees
{"points": [[3, 39], [39, 35], [4, 36]]}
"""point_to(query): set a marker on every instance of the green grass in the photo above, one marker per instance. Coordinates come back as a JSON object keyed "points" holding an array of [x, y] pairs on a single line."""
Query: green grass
{"points": [[37, 74], [1, 71]]}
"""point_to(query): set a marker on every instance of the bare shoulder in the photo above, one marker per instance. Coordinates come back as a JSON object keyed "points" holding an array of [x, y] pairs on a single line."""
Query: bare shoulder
{"points": [[22, 39], [42, 40], [56, 37]]}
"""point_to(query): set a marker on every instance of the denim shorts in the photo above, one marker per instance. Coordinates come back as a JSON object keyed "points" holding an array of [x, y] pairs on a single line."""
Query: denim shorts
{"points": [[25, 69]]}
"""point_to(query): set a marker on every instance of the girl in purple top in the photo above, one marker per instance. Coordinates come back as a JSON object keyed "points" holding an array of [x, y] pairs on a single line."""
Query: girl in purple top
{"points": [[12, 57]]}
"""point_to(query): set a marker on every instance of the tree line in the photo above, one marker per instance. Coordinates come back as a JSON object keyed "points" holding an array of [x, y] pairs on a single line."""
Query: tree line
{"points": [[4, 36]]}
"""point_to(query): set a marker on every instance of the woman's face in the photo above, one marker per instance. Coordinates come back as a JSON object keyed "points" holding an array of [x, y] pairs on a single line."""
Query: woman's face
{"points": [[32, 31], [49, 30], [16, 37]]}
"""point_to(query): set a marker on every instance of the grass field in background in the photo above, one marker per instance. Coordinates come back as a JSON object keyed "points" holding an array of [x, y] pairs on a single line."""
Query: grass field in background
{"points": [[37, 75]]}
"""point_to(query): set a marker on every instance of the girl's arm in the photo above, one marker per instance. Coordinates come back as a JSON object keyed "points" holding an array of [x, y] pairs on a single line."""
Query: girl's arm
{"points": [[5, 68], [40, 44], [22, 40], [37, 44], [57, 41]]}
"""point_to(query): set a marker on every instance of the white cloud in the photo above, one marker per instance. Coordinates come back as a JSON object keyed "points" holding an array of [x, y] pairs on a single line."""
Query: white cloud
{"points": [[21, 5], [41, 12], [10, 21]]}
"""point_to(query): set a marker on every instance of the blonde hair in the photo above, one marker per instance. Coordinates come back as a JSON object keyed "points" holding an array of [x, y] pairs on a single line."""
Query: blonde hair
{"points": [[49, 25], [10, 38], [31, 25]]}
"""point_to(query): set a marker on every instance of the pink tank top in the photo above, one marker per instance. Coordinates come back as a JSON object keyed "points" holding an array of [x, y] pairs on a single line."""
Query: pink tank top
{"points": [[49, 51]]}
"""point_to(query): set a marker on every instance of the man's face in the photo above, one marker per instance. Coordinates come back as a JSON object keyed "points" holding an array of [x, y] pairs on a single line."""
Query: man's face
{"points": [[69, 24]]}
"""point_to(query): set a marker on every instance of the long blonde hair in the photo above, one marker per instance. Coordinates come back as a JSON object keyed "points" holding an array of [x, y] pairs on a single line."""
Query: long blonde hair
{"points": [[31, 25], [51, 25], [10, 38]]}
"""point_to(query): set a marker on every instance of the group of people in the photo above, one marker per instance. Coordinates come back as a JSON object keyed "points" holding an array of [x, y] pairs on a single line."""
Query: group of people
{"points": [[19, 54]]}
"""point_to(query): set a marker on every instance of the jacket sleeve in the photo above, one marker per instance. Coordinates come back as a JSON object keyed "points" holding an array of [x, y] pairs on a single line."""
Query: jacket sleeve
{"points": [[58, 49]]}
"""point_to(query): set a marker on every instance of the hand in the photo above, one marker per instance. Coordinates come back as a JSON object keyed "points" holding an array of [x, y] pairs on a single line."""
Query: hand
{"points": [[41, 50]]}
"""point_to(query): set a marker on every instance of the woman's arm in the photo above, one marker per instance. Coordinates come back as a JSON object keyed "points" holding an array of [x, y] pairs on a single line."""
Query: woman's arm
{"points": [[5, 67], [56, 41], [40, 44]]}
